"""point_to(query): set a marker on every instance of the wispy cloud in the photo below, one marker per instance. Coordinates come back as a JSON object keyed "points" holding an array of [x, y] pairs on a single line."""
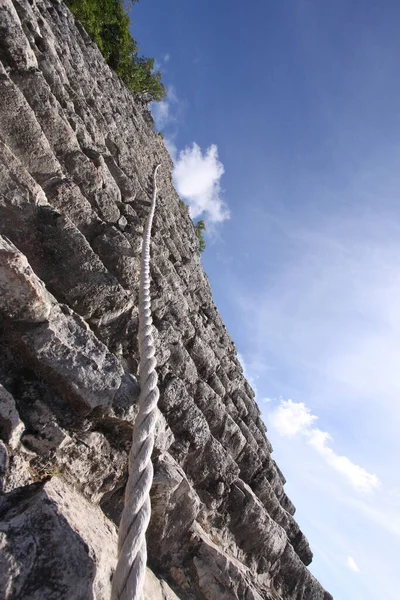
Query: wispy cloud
{"points": [[252, 379], [291, 419], [340, 521], [332, 320], [171, 146], [197, 177], [197, 173], [163, 112], [352, 565], [160, 65], [267, 400]]}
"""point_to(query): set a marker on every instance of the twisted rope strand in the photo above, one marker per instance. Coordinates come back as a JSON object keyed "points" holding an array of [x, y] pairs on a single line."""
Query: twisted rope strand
{"points": [[129, 576]]}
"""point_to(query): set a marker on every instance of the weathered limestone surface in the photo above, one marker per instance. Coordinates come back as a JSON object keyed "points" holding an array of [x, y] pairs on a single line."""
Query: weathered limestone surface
{"points": [[55, 544], [77, 152]]}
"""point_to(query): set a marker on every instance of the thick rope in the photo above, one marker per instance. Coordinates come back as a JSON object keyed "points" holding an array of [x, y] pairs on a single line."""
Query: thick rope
{"points": [[129, 576]]}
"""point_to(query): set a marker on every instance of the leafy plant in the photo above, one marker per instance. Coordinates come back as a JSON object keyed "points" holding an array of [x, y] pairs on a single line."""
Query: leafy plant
{"points": [[107, 23], [39, 471], [200, 227]]}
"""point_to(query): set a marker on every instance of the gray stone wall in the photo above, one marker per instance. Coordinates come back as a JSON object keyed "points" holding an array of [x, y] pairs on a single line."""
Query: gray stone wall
{"points": [[77, 153]]}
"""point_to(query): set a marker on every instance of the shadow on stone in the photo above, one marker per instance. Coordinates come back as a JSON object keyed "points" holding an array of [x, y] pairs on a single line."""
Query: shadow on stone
{"points": [[42, 556]]}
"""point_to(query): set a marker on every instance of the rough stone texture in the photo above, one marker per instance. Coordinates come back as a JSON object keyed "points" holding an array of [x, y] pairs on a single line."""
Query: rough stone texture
{"points": [[55, 544], [77, 152], [156, 589], [11, 426], [23, 294]]}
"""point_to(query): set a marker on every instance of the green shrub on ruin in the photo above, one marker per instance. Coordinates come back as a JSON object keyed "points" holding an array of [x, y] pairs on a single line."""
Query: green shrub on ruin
{"points": [[107, 23]]}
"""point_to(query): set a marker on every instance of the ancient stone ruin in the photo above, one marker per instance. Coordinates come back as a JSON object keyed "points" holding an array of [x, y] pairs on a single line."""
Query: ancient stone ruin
{"points": [[77, 152]]}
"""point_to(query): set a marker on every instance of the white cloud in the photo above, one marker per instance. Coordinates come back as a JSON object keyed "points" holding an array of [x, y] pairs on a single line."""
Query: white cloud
{"points": [[159, 66], [352, 565], [197, 179], [171, 147], [196, 174], [322, 310], [291, 419], [334, 312], [161, 113], [329, 321], [356, 475]]}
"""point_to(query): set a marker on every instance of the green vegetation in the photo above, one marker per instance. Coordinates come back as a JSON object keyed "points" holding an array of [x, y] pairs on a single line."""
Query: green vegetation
{"points": [[200, 228], [40, 471], [107, 23]]}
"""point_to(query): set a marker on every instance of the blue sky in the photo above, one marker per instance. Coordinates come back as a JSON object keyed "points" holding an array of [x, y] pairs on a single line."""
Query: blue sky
{"points": [[284, 122]]}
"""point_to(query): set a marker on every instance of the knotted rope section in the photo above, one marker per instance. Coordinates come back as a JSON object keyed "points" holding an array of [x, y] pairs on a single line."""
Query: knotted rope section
{"points": [[129, 576]]}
